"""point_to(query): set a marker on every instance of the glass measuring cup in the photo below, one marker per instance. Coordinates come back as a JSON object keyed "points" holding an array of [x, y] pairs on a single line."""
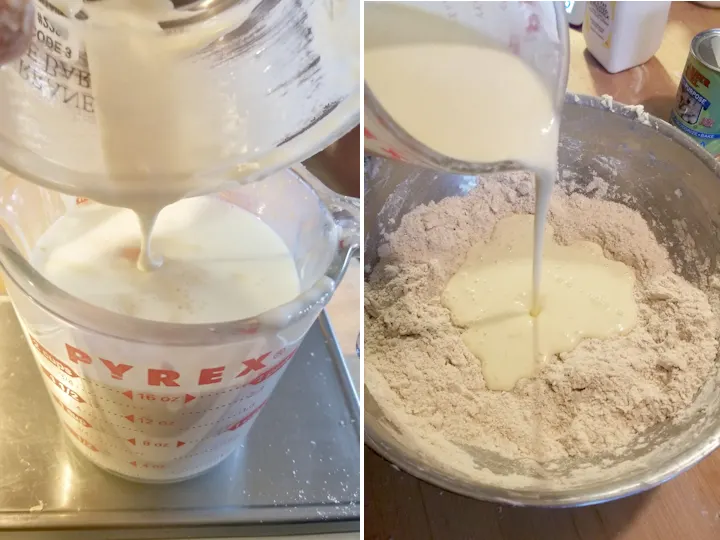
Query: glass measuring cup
{"points": [[227, 89], [161, 402], [537, 32]]}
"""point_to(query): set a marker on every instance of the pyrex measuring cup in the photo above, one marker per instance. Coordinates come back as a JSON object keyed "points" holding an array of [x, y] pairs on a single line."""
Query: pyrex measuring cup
{"points": [[213, 90], [161, 402], [537, 32]]}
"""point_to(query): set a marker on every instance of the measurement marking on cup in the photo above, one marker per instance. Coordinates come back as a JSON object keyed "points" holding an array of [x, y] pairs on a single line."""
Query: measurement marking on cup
{"points": [[82, 439], [270, 372], [75, 416], [147, 465], [148, 421], [143, 420], [218, 449], [133, 396], [146, 396], [394, 154], [245, 419], [155, 444], [132, 419], [228, 405], [50, 357], [65, 389]]}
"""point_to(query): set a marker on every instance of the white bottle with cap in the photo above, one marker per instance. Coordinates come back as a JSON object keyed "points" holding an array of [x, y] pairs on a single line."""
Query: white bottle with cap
{"points": [[621, 35], [575, 12]]}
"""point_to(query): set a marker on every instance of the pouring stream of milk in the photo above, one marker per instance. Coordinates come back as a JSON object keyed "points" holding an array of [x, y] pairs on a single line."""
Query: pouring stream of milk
{"points": [[152, 101], [463, 98]]}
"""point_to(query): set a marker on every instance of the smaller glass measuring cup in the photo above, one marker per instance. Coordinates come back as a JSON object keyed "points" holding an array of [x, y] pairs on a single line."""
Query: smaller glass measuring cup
{"points": [[104, 107], [161, 402], [537, 32]]}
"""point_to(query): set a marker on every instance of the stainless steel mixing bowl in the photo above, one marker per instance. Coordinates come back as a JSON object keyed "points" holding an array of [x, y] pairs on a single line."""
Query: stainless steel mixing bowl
{"points": [[675, 185]]}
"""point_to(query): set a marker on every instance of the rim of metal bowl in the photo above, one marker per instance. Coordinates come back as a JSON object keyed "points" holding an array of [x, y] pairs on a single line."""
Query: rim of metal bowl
{"points": [[616, 489]]}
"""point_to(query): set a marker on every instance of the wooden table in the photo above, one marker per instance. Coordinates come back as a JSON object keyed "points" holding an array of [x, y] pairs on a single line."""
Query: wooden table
{"points": [[398, 506]]}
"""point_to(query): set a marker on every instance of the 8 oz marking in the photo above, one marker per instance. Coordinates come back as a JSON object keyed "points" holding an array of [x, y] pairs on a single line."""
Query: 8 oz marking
{"points": [[155, 444]]}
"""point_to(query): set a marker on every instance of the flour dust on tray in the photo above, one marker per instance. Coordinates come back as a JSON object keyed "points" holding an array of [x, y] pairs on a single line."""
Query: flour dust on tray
{"points": [[593, 398]]}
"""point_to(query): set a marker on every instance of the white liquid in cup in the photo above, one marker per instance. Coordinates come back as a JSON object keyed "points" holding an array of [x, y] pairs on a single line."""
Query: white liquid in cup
{"points": [[220, 262], [151, 411]]}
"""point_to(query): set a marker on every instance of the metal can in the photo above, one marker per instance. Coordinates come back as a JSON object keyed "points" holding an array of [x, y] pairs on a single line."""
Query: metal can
{"points": [[694, 112]]}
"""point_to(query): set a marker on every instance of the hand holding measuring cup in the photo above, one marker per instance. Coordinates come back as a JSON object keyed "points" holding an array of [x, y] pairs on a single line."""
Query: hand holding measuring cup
{"points": [[16, 27]]}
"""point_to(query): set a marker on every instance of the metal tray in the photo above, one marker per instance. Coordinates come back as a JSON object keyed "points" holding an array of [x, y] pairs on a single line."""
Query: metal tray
{"points": [[297, 473]]}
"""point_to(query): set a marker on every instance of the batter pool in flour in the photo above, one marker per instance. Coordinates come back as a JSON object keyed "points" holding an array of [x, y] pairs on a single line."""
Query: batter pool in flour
{"points": [[584, 295], [221, 263], [464, 98]]}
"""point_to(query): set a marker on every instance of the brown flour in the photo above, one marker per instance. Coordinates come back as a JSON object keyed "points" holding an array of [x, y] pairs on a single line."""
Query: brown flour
{"points": [[593, 400]]}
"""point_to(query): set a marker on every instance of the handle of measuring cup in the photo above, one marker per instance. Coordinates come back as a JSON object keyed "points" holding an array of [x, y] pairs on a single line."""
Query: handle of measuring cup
{"points": [[346, 214]]}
